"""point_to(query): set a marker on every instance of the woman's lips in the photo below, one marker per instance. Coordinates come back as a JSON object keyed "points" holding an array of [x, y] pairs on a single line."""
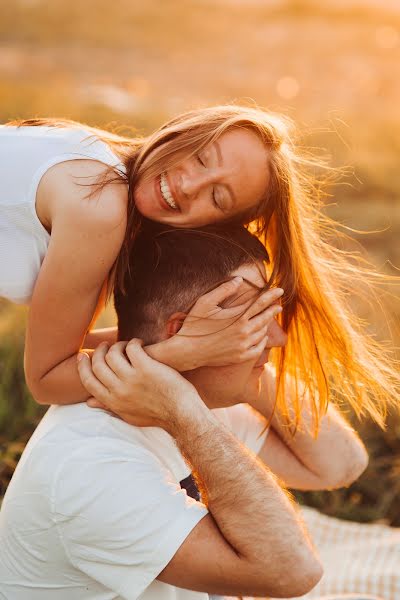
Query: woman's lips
{"points": [[173, 190], [163, 204]]}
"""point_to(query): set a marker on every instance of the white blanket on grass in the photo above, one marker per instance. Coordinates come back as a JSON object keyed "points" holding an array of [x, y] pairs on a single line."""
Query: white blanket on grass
{"points": [[357, 558]]}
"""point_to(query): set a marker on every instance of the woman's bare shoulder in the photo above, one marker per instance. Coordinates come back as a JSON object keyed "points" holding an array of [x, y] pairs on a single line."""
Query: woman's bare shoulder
{"points": [[74, 190]]}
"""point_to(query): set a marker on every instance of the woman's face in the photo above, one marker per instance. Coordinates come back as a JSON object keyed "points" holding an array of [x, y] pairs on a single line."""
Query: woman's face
{"points": [[225, 179]]}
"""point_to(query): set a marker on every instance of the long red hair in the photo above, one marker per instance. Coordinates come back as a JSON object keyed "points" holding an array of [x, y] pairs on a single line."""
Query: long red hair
{"points": [[328, 349]]}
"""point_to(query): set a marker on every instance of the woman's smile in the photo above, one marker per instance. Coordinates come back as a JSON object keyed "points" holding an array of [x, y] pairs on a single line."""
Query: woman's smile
{"points": [[166, 192], [164, 205], [224, 179]]}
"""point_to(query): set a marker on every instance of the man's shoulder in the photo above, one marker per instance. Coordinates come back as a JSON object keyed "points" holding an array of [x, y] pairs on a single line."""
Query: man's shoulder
{"points": [[246, 424], [75, 425], [68, 439], [230, 415]]}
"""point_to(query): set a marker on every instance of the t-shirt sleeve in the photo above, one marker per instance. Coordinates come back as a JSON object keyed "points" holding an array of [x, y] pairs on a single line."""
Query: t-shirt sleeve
{"points": [[123, 526], [246, 424]]}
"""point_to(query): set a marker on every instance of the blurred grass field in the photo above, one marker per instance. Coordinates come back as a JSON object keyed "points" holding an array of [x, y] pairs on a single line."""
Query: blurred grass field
{"points": [[332, 67]]}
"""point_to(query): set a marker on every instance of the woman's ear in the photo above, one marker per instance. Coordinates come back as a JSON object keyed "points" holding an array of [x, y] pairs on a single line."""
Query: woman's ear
{"points": [[174, 323]]}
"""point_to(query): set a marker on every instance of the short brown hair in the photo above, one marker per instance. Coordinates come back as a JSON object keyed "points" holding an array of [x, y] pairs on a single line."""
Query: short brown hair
{"points": [[172, 267]]}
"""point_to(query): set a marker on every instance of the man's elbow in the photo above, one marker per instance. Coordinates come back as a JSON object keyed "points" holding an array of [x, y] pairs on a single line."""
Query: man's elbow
{"points": [[307, 582], [301, 578]]}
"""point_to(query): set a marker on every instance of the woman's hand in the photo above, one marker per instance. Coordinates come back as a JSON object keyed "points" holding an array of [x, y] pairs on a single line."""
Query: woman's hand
{"points": [[124, 380], [215, 336]]}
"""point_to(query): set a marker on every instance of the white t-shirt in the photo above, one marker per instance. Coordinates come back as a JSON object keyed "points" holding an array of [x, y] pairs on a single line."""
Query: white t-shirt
{"points": [[26, 153], [95, 510]]}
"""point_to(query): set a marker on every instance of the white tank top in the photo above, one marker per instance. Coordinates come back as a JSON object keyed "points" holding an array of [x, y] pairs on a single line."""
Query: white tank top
{"points": [[26, 153]]}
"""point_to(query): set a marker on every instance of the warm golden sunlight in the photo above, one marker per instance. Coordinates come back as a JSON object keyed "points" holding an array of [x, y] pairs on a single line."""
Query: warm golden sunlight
{"points": [[129, 66]]}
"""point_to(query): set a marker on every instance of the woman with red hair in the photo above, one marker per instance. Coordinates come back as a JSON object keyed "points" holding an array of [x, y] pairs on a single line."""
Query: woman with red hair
{"points": [[70, 218]]}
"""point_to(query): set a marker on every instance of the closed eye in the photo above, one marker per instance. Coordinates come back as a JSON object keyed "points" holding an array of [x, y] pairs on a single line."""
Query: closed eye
{"points": [[214, 200], [198, 157]]}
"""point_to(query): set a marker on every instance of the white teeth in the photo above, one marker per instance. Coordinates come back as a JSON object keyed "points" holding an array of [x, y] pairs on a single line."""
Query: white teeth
{"points": [[166, 192]]}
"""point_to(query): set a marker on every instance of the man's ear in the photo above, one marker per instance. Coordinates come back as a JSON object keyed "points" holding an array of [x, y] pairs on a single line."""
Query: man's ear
{"points": [[174, 323]]}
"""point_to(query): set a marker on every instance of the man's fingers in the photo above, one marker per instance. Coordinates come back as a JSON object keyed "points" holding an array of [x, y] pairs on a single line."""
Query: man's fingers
{"points": [[263, 302], [93, 403], [136, 354], [117, 360], [222, 292], [101, 369], [89, 380]]}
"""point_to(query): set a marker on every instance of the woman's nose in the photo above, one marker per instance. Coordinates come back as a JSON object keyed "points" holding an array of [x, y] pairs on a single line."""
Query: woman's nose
{"points": [[192, 184]]}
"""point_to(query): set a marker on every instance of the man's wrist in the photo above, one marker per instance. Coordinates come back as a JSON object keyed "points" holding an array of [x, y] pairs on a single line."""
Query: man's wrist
{"points": [[192, 418]]}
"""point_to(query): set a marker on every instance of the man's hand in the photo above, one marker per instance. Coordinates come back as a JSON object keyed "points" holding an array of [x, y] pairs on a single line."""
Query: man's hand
{"points": [[126, 381], [253, 541]]}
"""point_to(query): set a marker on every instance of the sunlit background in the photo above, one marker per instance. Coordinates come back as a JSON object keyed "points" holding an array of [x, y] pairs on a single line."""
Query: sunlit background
{"points": [[332, 66]]}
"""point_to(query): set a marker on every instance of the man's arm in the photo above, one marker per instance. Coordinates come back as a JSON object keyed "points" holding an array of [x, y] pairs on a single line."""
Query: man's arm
{"points": [[336, 458], [253, 542]]}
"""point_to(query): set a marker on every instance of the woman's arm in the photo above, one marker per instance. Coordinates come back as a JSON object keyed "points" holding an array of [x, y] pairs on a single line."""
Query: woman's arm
{"points": [[86, 236], [96, 336], [336, 458], [212, 334]]}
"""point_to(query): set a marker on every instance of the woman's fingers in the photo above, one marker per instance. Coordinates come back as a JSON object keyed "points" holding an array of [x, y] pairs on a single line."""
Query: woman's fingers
{"points": [[89, 380], [264, 318], [259, 325], [263, 302], [257, 349], [101, 369], [221, 293], [258, 336]]}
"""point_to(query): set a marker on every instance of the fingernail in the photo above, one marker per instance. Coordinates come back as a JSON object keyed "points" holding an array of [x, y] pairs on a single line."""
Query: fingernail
{"points": [[80, 356], [279, 291], [278, 310], [237, 280]]}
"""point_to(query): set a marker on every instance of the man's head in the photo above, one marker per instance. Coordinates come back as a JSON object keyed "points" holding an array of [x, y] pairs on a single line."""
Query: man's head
{"points": [[170, 270]]}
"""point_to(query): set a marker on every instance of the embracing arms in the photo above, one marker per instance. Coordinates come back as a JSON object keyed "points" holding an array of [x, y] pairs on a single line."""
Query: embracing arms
{"points": [[333, 459], [86, 235], [87, 230], [253, 541], [94, 337]]}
